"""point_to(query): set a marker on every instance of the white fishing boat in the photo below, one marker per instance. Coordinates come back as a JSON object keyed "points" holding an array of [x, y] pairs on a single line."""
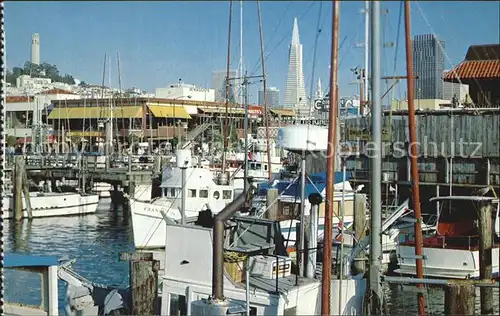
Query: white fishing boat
{"points": [[203, 191], [45, 204], [256, 276], [453, 251], [103, 189]]}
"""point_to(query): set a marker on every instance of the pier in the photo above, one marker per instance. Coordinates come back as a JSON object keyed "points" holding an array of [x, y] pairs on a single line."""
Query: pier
{"points": [[458, 150], [135, 174]]}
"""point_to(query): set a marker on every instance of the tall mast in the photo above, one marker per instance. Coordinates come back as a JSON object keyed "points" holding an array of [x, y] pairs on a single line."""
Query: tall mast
{"points": [[367, 37], [376, 164], [330, 164], [242, 92], [415, 190], [225, 131], [264, 84]]}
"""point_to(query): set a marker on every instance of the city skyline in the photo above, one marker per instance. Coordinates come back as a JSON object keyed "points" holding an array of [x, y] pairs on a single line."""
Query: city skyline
{"points": [[154, 54]]}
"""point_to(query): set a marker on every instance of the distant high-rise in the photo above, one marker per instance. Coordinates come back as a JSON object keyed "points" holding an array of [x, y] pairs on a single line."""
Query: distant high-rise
{"points": [[273, 97], [295, 92], [428, 65], [219, 85], [35, 49]]}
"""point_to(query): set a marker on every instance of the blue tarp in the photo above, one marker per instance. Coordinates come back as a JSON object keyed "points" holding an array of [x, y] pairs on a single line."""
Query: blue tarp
{"points": [[15, 260], [317, 183]]}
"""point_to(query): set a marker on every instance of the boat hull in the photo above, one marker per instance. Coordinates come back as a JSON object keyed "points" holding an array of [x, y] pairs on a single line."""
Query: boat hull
{"points": [[54, 204], [148, 225], [445, 263]]}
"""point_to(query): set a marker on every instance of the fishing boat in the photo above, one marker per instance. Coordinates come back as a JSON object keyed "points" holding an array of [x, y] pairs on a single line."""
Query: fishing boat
{"points": [[203, 190], [453, 251], [256, 275], [45, 204]]}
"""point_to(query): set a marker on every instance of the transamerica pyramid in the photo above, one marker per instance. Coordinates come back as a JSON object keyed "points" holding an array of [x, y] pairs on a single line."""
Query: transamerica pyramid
{"points": [[295, 93]]}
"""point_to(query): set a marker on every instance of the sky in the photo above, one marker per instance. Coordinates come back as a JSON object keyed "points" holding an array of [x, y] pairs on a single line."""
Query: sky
{"points": [[162, 42]]}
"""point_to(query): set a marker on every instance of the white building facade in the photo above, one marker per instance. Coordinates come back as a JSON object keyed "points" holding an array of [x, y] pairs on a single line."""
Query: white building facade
{"points": [[181, 91]]}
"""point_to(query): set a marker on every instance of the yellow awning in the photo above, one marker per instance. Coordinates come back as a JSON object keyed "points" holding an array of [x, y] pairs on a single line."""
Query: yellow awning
{"points": [[169, 111], [85, 134], [222, 110], [95, 112], [283, 112]]}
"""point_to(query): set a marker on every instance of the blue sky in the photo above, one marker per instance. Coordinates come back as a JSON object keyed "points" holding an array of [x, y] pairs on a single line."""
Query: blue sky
{"points": [[160, 42]]}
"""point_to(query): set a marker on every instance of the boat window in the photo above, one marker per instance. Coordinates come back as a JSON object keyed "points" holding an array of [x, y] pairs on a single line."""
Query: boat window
{"points": [[227, 194], [192, 193], [172, 192], [177, 305], [290, 311], [216, 195], [265, 167], [203, 193], [253, 311]]}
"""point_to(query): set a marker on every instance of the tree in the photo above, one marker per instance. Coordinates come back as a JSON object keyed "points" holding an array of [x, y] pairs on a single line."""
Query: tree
{"points": [[11, 141]]}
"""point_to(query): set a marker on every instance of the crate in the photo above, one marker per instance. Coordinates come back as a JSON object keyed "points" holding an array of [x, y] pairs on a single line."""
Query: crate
{"points": [[236, 270]]}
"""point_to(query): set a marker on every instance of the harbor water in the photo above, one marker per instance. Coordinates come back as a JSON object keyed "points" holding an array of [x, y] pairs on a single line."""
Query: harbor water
{"points": [[96, 240]]}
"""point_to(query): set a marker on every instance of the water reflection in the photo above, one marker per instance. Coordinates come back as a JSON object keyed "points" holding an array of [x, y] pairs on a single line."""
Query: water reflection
{"points": [[93, 240]]}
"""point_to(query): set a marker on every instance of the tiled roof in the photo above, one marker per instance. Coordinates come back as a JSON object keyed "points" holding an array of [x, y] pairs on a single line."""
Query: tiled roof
{"points": [[57, 91], [475, 69], [14, 99]]}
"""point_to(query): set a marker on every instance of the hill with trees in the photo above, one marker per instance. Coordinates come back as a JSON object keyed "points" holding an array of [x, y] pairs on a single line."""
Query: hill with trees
{"points": [[44, 70]]}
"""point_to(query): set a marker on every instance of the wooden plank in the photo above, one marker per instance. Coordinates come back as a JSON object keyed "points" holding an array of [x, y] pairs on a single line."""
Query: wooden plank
{"points": [[136, 256]]}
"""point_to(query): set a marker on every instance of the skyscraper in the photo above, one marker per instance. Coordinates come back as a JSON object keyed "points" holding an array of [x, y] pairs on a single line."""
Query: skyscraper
{"points": [[428, 65], [273, 97], [35, 49], [295, 93], [219, 84]]}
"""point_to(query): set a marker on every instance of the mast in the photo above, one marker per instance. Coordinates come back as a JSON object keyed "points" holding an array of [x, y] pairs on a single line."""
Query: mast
{"points": [[225, 132], [266, 110], [367, 37], [330, 165], [413, 159], [242, 93], [376, 164]]}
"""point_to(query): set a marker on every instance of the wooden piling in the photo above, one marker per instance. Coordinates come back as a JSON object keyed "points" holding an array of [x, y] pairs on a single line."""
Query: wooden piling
{"points": [[26, 191], [272, 204], [359, 230], [485, 256], [143, 282], [18, 187], [459, 299]]}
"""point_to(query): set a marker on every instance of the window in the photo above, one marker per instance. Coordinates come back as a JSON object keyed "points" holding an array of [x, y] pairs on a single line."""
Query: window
{"points": [[192, 193], [227, 194], [265, 167], [203, 193], [216, 195], [177, 305], [172, 192]]}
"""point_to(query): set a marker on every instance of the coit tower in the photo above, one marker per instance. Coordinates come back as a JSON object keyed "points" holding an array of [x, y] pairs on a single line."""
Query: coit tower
{"points": [[35, 49]]}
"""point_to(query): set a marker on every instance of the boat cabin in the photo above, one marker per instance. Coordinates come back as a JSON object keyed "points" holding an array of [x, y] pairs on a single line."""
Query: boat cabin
{"points": [[458, 221], [256, 266], [202, 189]]}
